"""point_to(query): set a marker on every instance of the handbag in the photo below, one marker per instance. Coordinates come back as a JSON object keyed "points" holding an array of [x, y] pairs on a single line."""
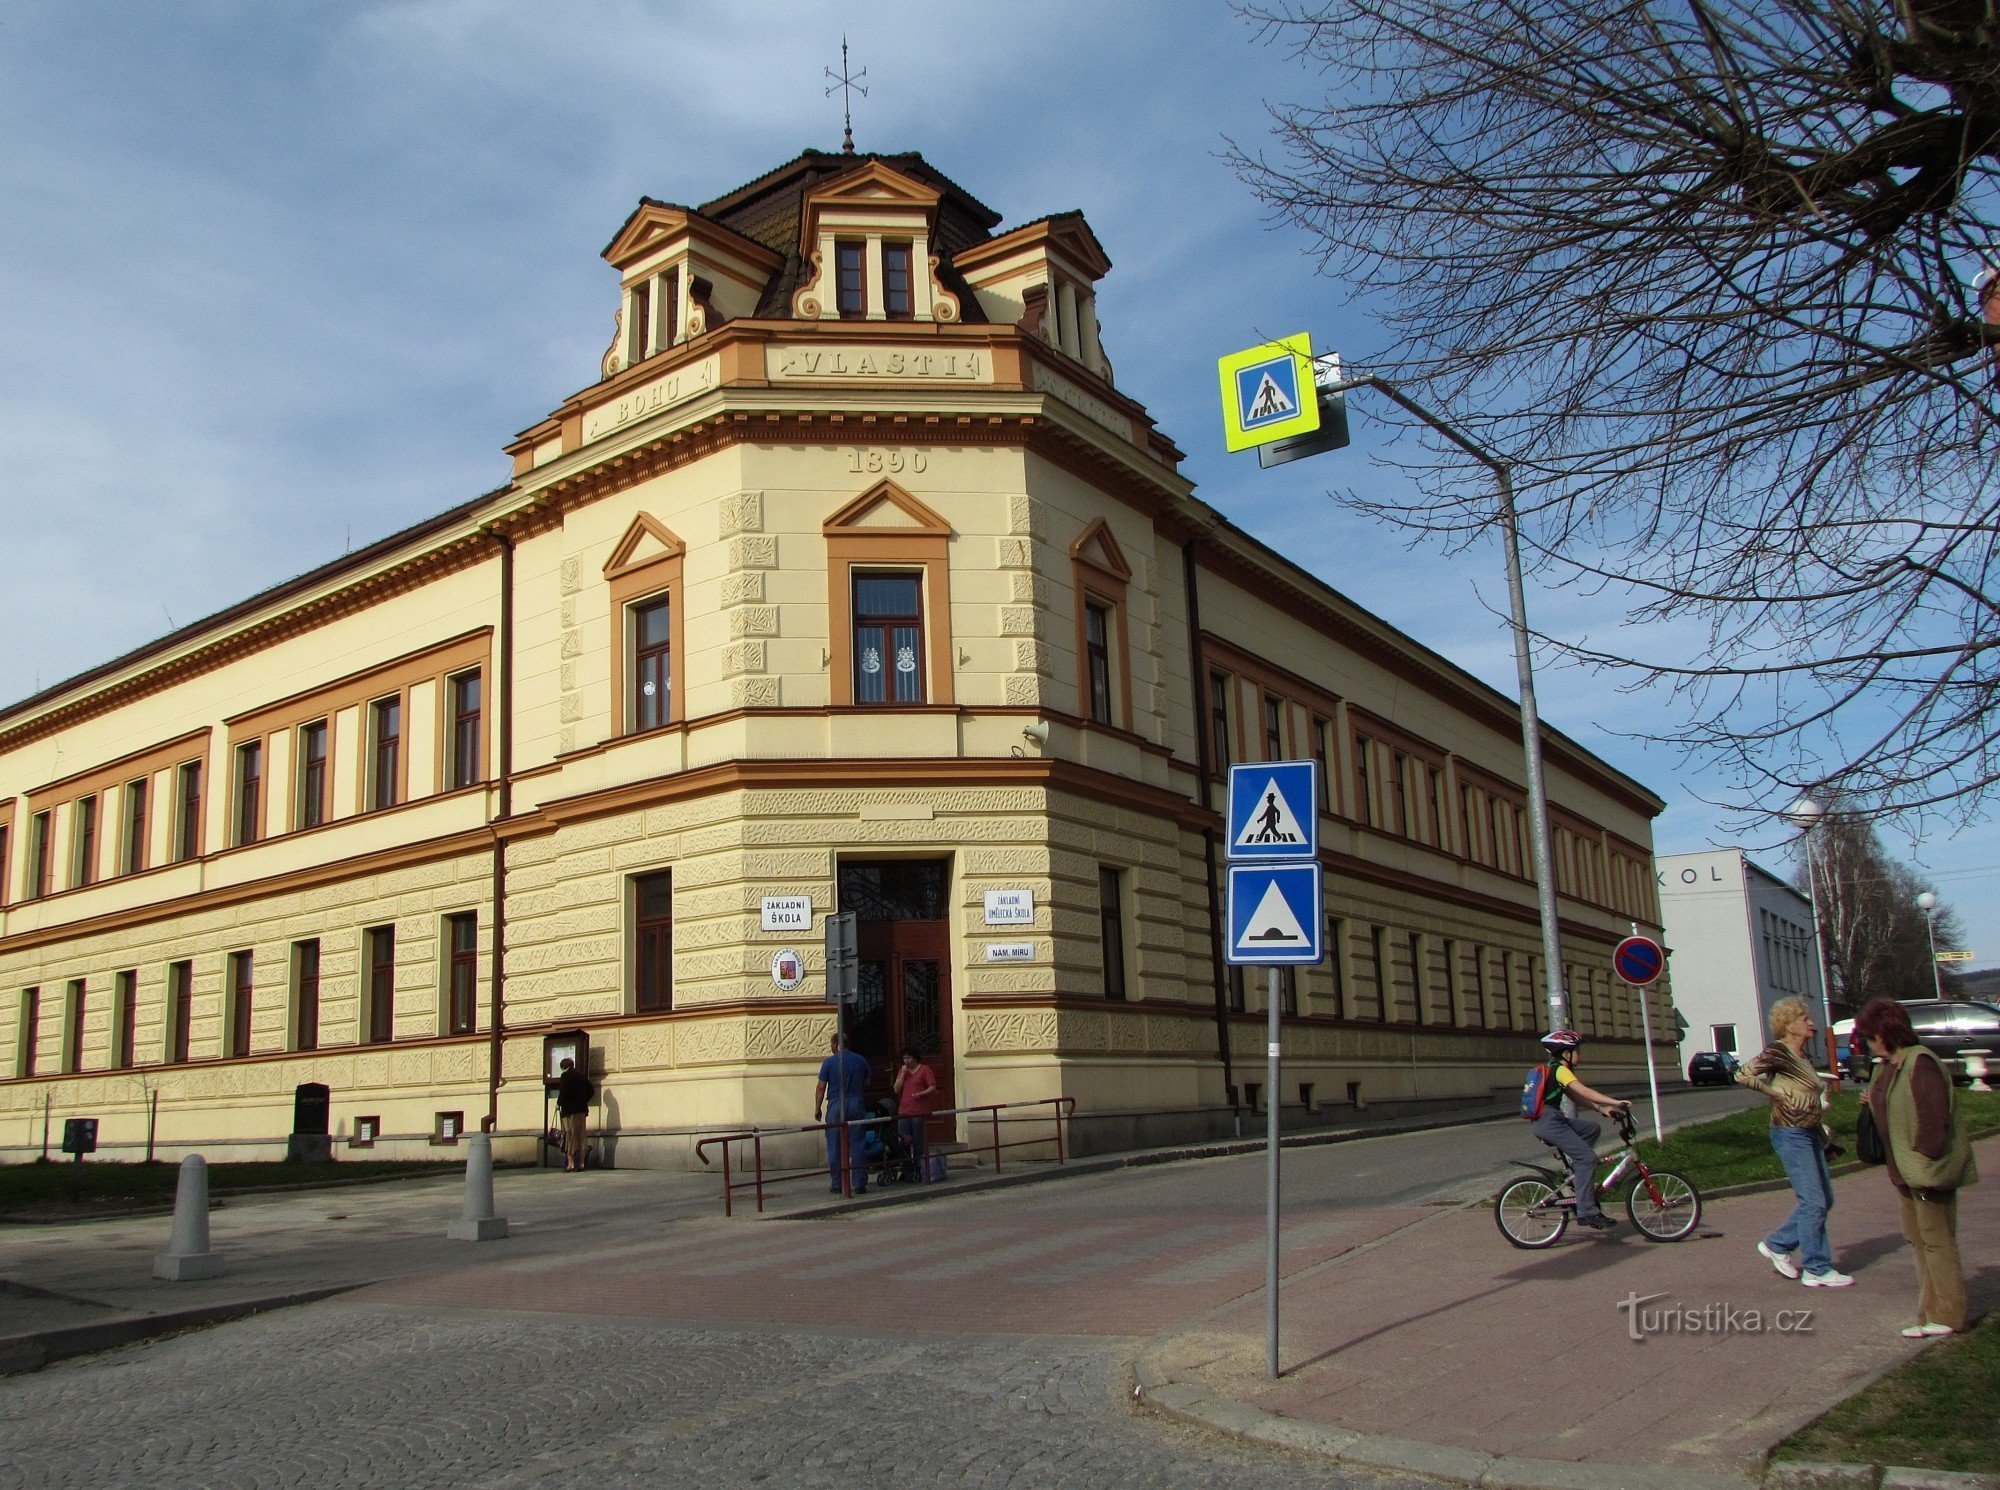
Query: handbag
{"points": [[1868, 1145]]}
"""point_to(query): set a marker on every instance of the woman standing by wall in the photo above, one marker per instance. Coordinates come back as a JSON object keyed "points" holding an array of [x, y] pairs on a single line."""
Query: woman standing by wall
{"points": [[1782, 1073], [1929, 1158]]}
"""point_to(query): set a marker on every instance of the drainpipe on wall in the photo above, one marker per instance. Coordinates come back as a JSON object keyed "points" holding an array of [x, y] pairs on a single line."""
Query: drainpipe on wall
{"points": [[503, 708], [1204, 768]]}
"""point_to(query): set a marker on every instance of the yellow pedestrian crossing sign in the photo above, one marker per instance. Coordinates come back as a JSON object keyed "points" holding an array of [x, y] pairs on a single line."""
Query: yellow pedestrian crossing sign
{"points": [[1268, 392]]}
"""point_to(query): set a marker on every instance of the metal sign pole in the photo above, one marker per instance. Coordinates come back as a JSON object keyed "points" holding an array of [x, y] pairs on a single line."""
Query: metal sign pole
{"points": [[1646, 1033], [1273, 1060]]}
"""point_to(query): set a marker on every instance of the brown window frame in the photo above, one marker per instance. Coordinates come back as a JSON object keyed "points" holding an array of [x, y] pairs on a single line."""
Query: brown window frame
{"points": [[898, 256], [31, 1031], [653, 945], [314, 737], [884, 626], [138, 797], [652, 662], [385, 752], [125, 1020], [467, 765], [1322, 738], [6, 843], [306, 965], [41, 831], [1368, 811], [638, 344], [1111, 930], [378, 1010], [1098, 620], [1219, 686], [242, 994], [84, 869], [75, 1015], [187, 804], [1274, 727], [462, 973], [249, 792], [180, 1012], [850, 278]]}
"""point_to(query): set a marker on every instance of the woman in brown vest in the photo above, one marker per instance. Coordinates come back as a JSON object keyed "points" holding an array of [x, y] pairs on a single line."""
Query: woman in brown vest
{"points": [[1929, 1158]]}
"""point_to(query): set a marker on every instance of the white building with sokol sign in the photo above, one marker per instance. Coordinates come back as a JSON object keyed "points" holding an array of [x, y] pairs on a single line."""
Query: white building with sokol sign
{"points": [[1740, 939]]}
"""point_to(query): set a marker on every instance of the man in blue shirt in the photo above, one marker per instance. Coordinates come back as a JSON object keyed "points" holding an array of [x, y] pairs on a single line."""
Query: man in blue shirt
{"points": [[843, 1081]]}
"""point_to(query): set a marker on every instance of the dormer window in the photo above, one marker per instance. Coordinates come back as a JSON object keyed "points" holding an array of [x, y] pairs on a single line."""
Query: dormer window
{"points": [[851, 278], [655, 319], [897, 300], [639, 335]]}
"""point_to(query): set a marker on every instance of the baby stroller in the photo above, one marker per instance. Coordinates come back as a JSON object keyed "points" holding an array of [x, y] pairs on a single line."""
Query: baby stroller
{"points": [[888, 1156]]}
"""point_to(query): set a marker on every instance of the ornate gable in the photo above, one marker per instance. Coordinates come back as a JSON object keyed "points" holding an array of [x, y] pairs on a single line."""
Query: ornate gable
{"points": [[885, 509], [646, 542]]}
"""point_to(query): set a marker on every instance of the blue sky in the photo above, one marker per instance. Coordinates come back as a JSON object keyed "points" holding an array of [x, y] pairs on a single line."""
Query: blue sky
{"points": [[281, 277]]}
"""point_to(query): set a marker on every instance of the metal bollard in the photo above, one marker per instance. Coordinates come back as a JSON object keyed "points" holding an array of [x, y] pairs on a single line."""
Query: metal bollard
{"points": [[188, 1254], [476, 1221]]}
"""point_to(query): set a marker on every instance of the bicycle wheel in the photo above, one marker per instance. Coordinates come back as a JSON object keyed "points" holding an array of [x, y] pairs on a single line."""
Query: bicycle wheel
{"points": [[1664, 1206], [1527, 1217]]}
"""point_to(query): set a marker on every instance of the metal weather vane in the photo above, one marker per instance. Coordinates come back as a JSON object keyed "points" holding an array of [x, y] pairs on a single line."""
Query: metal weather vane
{"points": [[849, 84]]}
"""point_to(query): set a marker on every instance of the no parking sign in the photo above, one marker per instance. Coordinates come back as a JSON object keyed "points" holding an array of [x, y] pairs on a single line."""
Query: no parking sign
{"points": [[1639, 960]]}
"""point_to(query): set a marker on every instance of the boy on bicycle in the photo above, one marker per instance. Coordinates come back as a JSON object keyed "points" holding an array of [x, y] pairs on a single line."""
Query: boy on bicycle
{"points": [[1575, 1138]]}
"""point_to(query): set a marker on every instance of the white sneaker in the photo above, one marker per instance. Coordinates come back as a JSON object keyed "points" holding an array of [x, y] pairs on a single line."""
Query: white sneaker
{"points": [[1927, 1331], [1785, 1266], [1827, 1279]]}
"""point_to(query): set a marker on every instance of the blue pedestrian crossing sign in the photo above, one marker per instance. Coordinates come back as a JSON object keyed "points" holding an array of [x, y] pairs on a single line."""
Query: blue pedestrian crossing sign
{"points": [[1274, 915], [1268, 392], [1273, 811]]}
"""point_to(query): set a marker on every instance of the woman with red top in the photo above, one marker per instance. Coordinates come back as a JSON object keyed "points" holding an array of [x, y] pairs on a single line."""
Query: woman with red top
{"points": [[1929, 1158], [916, 1095]]}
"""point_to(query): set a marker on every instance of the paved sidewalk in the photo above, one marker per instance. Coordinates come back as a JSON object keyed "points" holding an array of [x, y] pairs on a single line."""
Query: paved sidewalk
{"points": [[1442, 1334]]}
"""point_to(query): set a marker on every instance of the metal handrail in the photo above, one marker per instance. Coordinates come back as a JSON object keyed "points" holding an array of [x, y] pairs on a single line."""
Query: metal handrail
{"points": [[759, 1181]]}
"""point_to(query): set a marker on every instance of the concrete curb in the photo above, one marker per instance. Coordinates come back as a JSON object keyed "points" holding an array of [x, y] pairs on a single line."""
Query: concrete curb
{"points": [[39, 1348], [1804, 1476]]}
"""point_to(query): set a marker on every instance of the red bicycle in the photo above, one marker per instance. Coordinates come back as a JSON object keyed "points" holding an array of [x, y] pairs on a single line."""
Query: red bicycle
{"points": [[1534, 1212]]}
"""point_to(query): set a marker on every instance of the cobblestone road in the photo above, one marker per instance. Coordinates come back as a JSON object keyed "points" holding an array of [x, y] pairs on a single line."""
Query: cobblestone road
{"points": [[349, 1394]]}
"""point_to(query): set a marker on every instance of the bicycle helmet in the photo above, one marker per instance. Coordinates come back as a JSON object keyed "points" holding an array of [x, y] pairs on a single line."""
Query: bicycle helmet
{"points": [[1562, 1040]]}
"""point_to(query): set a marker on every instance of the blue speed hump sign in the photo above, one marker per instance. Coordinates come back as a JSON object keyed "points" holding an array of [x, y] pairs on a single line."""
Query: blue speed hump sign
{"points": [[1274, 914]]}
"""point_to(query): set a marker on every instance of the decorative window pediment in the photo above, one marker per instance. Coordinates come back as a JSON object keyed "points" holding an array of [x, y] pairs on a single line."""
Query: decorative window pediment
{"points": [[866, 237], [885, 509], [647, 541], [1097, 547]]}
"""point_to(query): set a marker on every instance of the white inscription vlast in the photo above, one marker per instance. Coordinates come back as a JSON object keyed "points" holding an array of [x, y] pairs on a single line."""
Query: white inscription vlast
{"points": [[879, 362]]}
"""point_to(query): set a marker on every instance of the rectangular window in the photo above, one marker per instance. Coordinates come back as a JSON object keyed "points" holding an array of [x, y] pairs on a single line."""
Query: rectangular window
{"points": [[385, 733], [898, 299], [652, 664], [653, 942], [133, 858], [4, 840], [1323, 758], [29, 1049], [638, 339], [1475, 990], [187, 825], [305, 995], [1722, 1038], [1420, 978], [72, 1052], [1097, 658], [465, 708], [381, 1010], [1336, 960], [447, 1126], [84, 871], [249, 790], [126, 1013], [180, 1010], [670, 310], [1468, 837], [462, 992], [1111, 931], [312, 774], [1400, 765], [1218, 722], [38, 856], [850, 279], [242, 986], [1274, 728], [1364, 787], [1239, 995], [1440, 811], [366, 1131], [1378, 947], [888, 639], [1288, 991]]}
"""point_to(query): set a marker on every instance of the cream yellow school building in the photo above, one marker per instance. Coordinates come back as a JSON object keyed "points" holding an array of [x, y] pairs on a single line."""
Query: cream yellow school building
{"points": [[853, 580]]}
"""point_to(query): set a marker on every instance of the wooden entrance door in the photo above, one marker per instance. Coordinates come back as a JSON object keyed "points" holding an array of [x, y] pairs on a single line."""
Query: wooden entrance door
{"points": [[903, 942]]}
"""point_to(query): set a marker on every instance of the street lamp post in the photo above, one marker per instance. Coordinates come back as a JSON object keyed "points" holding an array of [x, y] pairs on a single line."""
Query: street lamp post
{"points": [[1805, 815], [1524, 670], [1928, 904]]}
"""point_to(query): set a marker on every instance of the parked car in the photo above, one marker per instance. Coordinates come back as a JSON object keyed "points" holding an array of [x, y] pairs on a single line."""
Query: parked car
{"points": [[1952, 1027], [1849, 1060], [1712, 1068]]}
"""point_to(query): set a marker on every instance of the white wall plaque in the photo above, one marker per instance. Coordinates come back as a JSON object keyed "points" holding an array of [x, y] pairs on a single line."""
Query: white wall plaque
{"points": [[1010, 907], [1010, 951], [788, 969], [785, 913]]}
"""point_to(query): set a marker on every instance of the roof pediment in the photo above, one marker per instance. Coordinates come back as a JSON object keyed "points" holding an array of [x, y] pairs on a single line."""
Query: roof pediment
{"points": [[1065, 233], [646, 541], [1098, 547], [655, 223], [875, 185]]}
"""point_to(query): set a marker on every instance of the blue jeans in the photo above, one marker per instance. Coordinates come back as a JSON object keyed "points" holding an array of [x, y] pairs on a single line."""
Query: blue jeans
{"points": [[1574, 1138], [1804, 1231], [916, 1148], [857, 1155]]}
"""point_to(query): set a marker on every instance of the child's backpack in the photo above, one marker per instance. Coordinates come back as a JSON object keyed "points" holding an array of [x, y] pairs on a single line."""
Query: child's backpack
{"points": [[1536, 1091]]}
